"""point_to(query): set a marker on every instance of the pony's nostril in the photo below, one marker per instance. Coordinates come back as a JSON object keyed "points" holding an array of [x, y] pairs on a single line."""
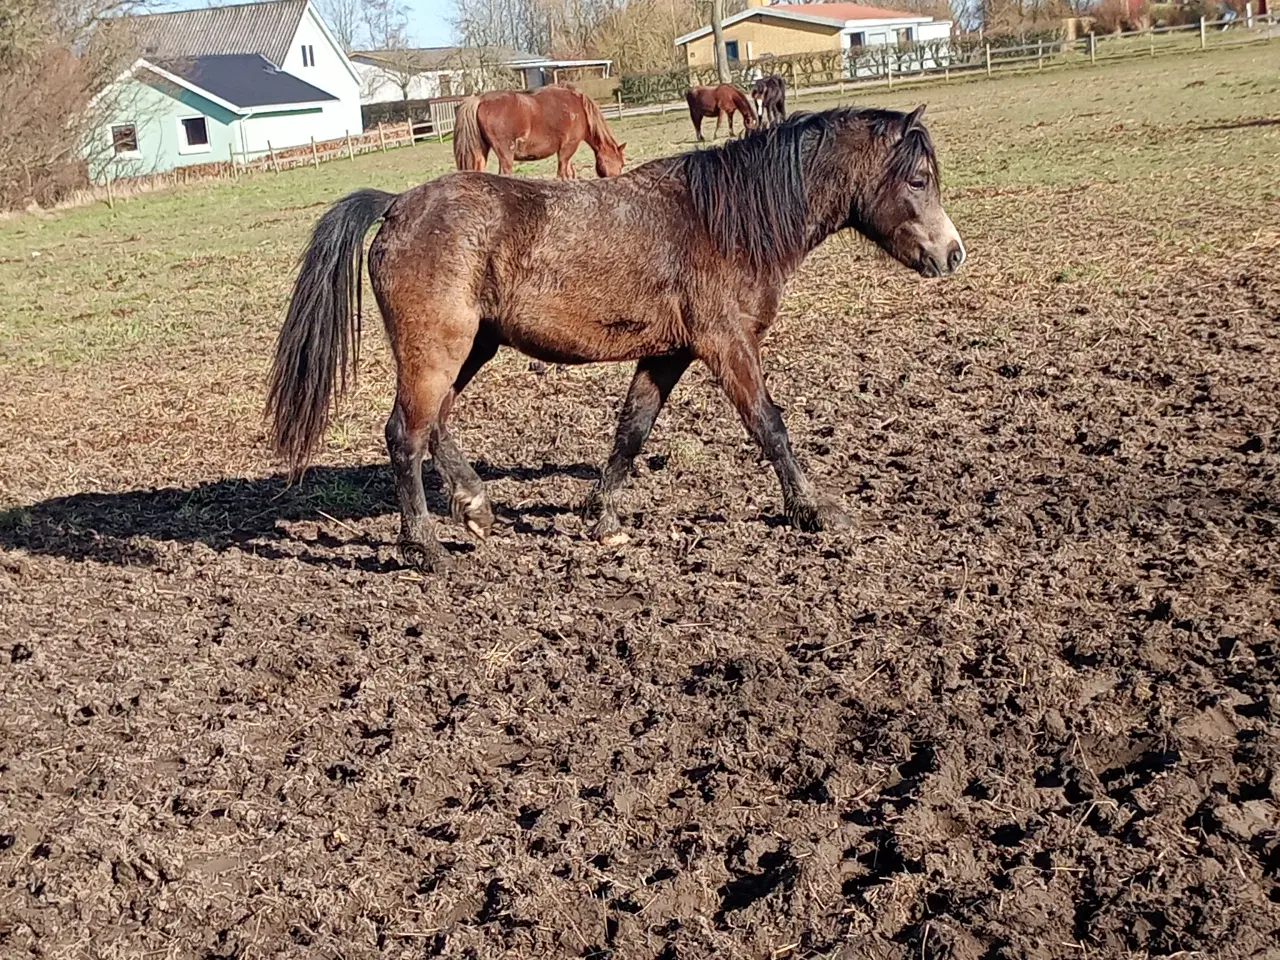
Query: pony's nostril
{"points": [[955, 257]]}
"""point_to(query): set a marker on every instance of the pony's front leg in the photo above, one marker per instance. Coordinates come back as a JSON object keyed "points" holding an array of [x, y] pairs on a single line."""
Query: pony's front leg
{"points": [[565, 169], [719, 120], [733, 356], [731, 133]]}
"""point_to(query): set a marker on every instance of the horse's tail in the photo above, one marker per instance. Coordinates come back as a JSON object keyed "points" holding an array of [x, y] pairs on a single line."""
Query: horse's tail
{"points": [[320, 339], [469, 141]]}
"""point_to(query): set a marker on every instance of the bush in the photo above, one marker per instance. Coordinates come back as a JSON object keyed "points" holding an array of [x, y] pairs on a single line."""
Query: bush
{"points": [[55, 55]]}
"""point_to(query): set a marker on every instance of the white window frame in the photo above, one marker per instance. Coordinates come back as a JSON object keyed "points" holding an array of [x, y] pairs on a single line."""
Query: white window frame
{"points": [[187, 149], [137, 138]]}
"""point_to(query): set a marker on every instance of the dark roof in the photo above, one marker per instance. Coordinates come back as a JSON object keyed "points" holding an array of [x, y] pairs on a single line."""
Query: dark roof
{"points": [[262, 28], [246, 80], [426, 59]]}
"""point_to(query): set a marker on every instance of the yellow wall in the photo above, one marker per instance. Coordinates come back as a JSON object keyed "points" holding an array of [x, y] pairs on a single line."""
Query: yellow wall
{"points": [[765, 36]]}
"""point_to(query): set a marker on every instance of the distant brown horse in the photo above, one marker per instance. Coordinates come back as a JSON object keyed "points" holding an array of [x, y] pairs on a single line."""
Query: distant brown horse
{"points": [[682, 259], [770, 96], [551, 121], [717, 102]]}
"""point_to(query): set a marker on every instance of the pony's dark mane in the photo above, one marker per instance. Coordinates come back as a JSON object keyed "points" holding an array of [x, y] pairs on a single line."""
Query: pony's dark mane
{"points": [[752, 195]]}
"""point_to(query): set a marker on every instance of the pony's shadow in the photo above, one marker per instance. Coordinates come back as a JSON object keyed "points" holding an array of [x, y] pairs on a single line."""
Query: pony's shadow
{"points": [[120, 528]]}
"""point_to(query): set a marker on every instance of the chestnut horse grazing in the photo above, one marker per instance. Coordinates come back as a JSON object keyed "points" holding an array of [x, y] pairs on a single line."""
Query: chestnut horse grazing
{"points": [[770, 96], [533, 126], [717, 102], [682, 259]]}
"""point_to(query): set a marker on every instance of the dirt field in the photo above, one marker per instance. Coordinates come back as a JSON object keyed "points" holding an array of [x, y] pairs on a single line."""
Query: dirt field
{"points": [[1028, 708]]}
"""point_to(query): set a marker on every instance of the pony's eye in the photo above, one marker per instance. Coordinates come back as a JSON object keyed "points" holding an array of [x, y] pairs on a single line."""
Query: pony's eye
{"points": [[919, 183]]}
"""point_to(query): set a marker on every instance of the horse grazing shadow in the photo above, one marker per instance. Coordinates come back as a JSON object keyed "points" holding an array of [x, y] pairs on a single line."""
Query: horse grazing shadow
{"points": [[117, 528]]}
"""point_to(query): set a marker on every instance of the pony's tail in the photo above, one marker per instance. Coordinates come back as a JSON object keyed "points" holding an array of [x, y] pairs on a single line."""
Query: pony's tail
{"points": [[320, 340], [468, 139]]}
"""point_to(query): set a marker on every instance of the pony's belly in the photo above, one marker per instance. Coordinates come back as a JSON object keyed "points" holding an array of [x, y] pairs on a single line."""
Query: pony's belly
{"points": [[560, 336]]}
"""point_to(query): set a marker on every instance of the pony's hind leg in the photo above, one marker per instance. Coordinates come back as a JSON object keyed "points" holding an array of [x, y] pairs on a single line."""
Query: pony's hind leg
{"points": [[429, 356], [734, 358], [468, 500], [653, 382]]}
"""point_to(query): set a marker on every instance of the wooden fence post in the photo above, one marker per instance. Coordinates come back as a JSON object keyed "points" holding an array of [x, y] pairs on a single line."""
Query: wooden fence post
{"points": [[1093, 48], [619, 93], [888, 70], [1040, 55], [275, 164], [315, 157], [231, 155], [988, 49], [1202, 40], [351, 154], [1151, 39], [1248, 15], [111, 201], [382, 140]]}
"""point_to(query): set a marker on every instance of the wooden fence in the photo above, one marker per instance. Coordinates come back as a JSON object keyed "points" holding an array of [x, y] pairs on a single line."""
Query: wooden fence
{"points": [[890, 67]]}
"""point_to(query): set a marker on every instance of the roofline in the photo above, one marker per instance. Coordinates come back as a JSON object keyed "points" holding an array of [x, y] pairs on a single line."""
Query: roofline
{"points": [[142, 63], [333, 41], [799, 18]]}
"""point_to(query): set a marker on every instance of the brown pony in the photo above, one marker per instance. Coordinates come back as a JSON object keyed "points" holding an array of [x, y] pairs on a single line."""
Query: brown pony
{"points": [[717, 102], [533, 126], [770, 96], [682, 259]]}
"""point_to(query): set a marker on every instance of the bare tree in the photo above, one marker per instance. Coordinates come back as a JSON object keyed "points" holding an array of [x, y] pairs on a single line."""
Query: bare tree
{"points": [[56, 58], [387, 24], [722, 52], [344, 18]]}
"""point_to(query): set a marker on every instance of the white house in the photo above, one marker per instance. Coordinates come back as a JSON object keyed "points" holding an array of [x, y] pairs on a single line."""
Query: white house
{"points": [[766, 30], [222, 81]]}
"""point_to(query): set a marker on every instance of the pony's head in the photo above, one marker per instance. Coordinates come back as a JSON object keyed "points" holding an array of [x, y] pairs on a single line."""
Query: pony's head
{"points": [[610, 159], [902, 209], [610, 154]]}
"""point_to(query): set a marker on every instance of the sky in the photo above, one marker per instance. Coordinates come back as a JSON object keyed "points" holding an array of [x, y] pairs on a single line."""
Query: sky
{"points": [[428, 23]]}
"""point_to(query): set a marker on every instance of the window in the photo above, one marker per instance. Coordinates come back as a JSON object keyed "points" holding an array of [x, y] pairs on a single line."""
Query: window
{"points": [[124, 138], [731, 50], [193, 135], [308, 55], [857, 40], [904, 36], [446, 85]]}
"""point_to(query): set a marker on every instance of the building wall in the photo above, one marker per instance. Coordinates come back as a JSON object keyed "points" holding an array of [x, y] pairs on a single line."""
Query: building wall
{"points": [[156, 108], [379, 85], [758, 36], [278, 129], [332, 72]]}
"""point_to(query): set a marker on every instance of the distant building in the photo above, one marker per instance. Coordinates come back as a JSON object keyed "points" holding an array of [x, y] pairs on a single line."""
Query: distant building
{"points": [[216, 81], [762, 31], [430, 72]]}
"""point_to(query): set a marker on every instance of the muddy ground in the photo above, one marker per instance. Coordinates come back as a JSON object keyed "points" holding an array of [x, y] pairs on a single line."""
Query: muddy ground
{"points": [[1028, 708]]}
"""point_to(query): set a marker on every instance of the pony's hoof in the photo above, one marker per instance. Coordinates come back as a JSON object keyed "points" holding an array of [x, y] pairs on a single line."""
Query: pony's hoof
{"points": [[426, 558], [608, 530], [473, 512], [825, 514]]}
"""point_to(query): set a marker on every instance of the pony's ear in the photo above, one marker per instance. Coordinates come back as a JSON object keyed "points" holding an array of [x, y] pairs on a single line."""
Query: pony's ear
{"points": [[913, 119], [622, 146]]}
